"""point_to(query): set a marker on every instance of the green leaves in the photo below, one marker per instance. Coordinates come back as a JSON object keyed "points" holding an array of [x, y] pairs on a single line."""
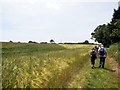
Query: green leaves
{"points": [[108, 33], [48, 65], [101, 34]]}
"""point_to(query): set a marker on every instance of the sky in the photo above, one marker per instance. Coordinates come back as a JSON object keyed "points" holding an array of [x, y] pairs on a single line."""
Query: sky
{"points": [[60, 20]]}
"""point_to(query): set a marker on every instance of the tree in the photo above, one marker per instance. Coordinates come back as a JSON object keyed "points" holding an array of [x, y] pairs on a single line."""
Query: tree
{"points": [[52, 41], [114, 26], [11, 41], [110, 33], [86, 42], [32, 42], [43, 42], [101, 34]]}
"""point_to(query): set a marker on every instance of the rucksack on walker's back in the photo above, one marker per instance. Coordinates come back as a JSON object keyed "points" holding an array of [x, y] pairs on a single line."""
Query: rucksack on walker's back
{"points": [[102, 51], [93, 54]]}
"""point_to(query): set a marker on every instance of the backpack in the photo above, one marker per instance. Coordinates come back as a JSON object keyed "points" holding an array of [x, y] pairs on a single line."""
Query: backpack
{"points": [[93, 54], [102, 51]]}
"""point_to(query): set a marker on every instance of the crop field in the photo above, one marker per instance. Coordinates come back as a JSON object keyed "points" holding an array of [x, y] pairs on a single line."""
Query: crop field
{"points": [[26, 65]]}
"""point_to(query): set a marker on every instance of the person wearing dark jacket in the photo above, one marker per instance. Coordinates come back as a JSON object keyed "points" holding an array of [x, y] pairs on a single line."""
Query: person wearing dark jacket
{"points": [[93, 57]]}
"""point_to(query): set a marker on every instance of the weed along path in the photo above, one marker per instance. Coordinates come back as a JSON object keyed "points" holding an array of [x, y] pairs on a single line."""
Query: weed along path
{"points": [[94, 78], [114, 67], [53, 66]]}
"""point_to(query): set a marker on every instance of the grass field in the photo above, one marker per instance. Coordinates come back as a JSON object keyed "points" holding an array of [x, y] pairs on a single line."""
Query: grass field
{"points": [[52, 66], [114, 52]]}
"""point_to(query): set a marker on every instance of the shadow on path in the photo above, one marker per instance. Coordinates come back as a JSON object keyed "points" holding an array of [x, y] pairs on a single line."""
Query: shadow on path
{"points": [[107, 69]]}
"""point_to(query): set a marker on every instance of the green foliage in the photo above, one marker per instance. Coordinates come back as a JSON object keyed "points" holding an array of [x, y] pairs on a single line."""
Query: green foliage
{"points": [[101, 34], [52, 66], [101, 78], [28, 49], [116, 14], [52, 41], [115, 35], [41, 65], [114, 52], [110, 33], [86, 42]]}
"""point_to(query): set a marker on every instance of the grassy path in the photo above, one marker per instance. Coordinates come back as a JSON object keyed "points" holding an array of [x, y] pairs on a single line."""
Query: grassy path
{"points": [[53, 66], [96, 78]]}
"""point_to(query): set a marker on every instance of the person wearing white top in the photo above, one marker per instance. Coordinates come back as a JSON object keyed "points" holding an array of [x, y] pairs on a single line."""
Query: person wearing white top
{"points": [[102, 55]]}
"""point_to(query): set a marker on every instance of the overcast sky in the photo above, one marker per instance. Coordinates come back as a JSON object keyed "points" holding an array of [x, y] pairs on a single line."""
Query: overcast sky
{"points": [[61, 20]]}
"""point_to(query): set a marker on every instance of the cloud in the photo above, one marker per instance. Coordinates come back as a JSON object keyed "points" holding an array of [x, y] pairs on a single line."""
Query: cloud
{"points": [[52, 5], [62, 1], [45, 19]]}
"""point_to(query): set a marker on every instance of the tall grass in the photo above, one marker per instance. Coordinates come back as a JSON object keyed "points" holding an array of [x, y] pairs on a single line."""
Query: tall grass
{"points": [[114, 52], [101, 78], [41, 66]]}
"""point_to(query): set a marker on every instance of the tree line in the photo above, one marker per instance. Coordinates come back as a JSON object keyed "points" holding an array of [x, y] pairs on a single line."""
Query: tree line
{"points": [[53, 42], [108, 34]]}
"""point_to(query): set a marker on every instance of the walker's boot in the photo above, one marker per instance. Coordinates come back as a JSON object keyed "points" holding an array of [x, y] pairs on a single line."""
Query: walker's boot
{"points": [[99, 66], [93, 67]]}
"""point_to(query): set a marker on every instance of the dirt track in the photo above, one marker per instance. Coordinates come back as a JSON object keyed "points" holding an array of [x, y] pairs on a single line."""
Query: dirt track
{"points": [[114, 66]]}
